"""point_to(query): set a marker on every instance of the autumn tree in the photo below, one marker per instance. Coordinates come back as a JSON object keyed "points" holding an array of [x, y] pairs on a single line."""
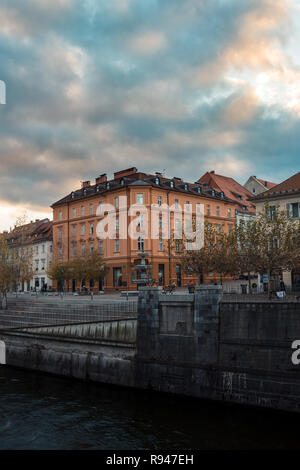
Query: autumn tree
{"points": [[202, 261], [59, 270], [279, 242], [78, 268], [6, 270]]}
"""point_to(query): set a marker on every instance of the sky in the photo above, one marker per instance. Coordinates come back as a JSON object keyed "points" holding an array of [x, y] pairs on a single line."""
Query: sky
{"points": [[185, 87]]}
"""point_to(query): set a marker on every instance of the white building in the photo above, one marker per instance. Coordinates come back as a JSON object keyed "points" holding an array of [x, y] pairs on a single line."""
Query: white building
{"points": [[257, 186], [35, 238]]}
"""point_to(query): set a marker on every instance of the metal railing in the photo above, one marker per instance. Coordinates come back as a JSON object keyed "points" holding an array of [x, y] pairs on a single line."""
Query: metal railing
{"points": [[66, 315]]}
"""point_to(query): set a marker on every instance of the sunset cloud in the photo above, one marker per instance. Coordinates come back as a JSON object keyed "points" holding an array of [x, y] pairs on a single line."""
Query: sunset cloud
{"points": [[96, 86]]}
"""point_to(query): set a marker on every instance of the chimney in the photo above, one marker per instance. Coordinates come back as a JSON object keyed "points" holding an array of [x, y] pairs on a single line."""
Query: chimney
{"points": [[85, 184], [212, 172], [122, 173], [101, 179]]}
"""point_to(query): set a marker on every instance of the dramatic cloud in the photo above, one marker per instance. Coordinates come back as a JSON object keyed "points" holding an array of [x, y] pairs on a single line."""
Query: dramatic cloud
{"points": [[95, 86]]}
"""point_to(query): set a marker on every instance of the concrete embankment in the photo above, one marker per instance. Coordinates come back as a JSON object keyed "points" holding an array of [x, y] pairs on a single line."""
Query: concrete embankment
{"points": [[188, 344]]}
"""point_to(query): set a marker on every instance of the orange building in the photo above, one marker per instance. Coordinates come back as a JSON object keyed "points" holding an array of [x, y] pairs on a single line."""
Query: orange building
{"points": [[75, 222]]}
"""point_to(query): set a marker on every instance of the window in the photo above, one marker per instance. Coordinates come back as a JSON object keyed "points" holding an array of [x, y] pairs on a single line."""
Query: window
{"points": [[160, 222], [208, 209], [82, 210], [228, 212], [100, 246], [74, 250], [272, 212], [117, 245], [140, 199], [186, 187], [43, 264], [230, 229], [293, 210], [218, 228], [171, 184], [198, 208], [91, 247], [156, 180], [177, 225], [91, 228], [91, 209], [74, 212], [82, 229], [99, 210], [60, 215], [50, 248], [160, 244], [117, 223], [140, 221], [188, 206], [140, 244], [36, 264], [159, 200], [177, 245], [116, 202], [59, 236], [60, 252], [74, 230], [218, 210], [82, 249], [176, 204]]}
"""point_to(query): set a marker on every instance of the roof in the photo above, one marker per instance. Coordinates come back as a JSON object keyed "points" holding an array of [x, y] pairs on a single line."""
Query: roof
{"points": [[231, 188], [140, 178], [287, 187], [266, 183], [33, 232]]}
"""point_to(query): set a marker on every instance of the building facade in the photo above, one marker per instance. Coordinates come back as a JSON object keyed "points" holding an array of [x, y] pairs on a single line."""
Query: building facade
{"points": [[75, 225], [286, 197], [257, 186], [36, 239]]}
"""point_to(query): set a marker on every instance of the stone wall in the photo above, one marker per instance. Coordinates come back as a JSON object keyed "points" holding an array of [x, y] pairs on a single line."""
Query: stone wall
{"points": [[190, 344]]}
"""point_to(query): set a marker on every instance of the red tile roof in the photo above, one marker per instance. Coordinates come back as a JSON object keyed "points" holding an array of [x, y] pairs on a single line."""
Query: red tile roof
{"points": [[291, 185], [267, 184], [231, 188]]}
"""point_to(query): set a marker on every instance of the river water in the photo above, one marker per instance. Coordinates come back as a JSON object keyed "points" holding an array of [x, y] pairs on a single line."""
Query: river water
{"points": [[43, 412]]}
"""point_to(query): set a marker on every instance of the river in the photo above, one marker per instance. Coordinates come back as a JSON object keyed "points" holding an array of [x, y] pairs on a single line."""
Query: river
{"points": [[43, 412]]}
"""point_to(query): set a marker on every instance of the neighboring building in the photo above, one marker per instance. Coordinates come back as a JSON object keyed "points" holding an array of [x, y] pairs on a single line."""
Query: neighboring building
{"points": [[257, 186], [286, 196], [36, 238], [75, 221], [233, 191]]}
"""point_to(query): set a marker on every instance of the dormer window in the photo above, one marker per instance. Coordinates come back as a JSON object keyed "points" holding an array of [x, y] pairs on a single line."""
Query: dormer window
{"points": [[122, 182], [171, 184], [97, 189], [107, 185], [72, 195], [84, 192], [199, 190], [186, 187], [222, 195], [156, 180]]}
